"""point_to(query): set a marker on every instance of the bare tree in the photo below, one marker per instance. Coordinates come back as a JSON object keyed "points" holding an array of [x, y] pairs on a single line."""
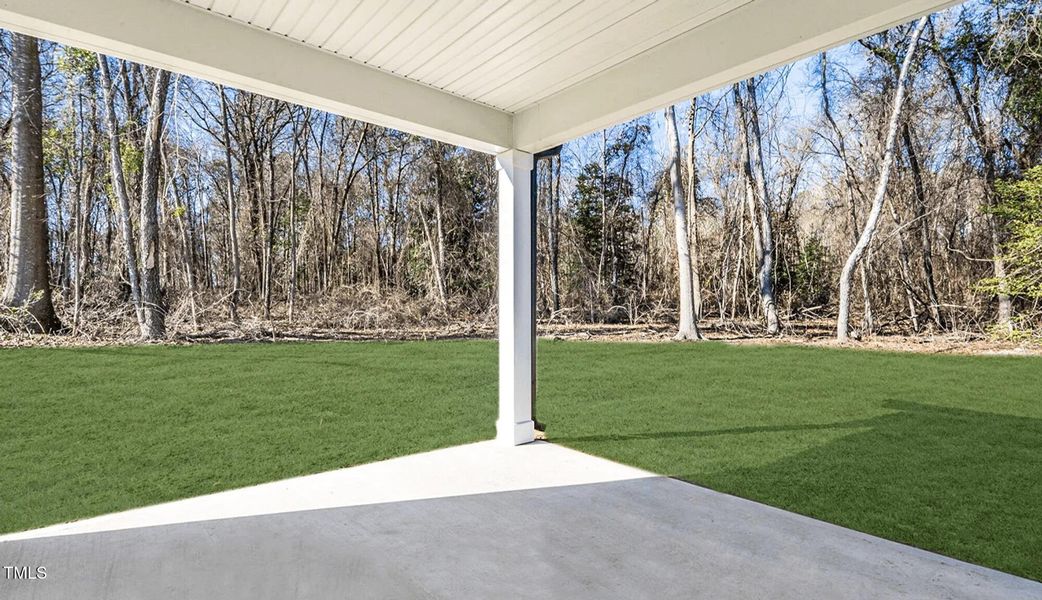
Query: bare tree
{"points": [[144, 275], [554, 232], [760, 213], [119, 186], [851, 183], [987, 146], [152, 303], [688, 328], [692, 204], [923, 220], [279, 211], [233, 220], [842, 324], [28, 284]]}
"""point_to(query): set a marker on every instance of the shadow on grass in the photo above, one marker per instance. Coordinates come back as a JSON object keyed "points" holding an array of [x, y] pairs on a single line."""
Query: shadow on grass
{"points": [[666, 435], [964, 483]]}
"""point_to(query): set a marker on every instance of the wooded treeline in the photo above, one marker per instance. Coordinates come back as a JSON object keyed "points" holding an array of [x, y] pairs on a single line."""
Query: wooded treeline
{"points": [[135, 201]]}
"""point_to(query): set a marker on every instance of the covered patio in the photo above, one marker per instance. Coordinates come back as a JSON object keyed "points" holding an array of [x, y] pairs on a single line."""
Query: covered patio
{"points": [[508, 516], [482, 520]]}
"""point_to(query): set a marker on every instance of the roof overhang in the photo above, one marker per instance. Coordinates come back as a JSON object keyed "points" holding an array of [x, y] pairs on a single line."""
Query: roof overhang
{"points": [[586, 87], [753, 38]]}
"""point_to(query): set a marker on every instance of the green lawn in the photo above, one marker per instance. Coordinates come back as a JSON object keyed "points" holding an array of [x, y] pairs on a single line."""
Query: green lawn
{"points": [[90, 431], [942, 452]]}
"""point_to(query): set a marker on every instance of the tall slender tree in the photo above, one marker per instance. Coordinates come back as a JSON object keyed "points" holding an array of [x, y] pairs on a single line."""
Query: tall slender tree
{"points": [[692, 204], [119, 186], [144, 267], [842, 323], [554, 232], [152, 301], [688, 327], [854, 190], [233, 209], [749, 114]]}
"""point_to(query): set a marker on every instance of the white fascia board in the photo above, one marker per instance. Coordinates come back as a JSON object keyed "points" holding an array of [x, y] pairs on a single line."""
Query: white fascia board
{"points": [[178, 37], [753, 38]]}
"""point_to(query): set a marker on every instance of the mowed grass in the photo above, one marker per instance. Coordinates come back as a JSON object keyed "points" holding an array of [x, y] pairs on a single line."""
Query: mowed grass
{"points": [[89, 431], [941, 452]]}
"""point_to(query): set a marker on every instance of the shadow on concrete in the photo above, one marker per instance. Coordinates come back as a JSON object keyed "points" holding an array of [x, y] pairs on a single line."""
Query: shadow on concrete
{"points": [[960, 482], [643, 538]]}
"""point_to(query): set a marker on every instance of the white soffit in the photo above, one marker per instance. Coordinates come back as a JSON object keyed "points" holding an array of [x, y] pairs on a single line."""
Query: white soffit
{"points": [[508, 54], [177, 36], [486, 74]]}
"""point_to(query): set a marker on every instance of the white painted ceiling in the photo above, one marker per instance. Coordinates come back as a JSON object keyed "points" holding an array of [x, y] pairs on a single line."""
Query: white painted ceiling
{"points": [[508, 54]]}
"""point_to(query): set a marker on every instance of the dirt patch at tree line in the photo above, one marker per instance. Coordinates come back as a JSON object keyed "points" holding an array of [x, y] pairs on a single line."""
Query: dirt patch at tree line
{"points": [[804, 333], [810, 334]]}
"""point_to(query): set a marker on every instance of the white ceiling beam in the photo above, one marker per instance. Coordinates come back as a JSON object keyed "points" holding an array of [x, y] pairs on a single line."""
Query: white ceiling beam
{"points": [[751, 39], [183, 39]]}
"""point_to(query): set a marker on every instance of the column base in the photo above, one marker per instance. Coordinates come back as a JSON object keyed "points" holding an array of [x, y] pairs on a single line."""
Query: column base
{"points": [[515, 434]]}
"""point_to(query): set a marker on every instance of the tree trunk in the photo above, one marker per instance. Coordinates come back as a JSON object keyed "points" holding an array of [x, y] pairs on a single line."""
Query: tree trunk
{"points": [[435, 263], [77, 261], [842, 324], [555, 232], [739, 266], [923, 226], [28, 283], [291, 283], [151, 291], [184, 227], [604, 212], [688, 328], [119, 185], [233, 214], [904, 256], [692, 207], [851, 185], [868, 319], [765, 265], [439, 227], [749, 206]]}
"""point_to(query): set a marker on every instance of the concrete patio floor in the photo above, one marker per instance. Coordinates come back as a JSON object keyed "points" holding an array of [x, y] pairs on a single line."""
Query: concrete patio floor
{"points": [[480, 521]]}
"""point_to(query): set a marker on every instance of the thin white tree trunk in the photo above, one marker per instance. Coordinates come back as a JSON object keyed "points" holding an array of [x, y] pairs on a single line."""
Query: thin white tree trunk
{"points": [[739, 258], [868, 318], [762, 214], [851, 185], [842, 323], [119, 184], [439, 227], [233, 235], [291, 276], [688, 328], [750, 193], [604, 211], [432, 249]]}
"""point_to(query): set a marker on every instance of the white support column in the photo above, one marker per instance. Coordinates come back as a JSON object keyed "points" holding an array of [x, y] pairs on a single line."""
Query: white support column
{"points": [[516, 286]]}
